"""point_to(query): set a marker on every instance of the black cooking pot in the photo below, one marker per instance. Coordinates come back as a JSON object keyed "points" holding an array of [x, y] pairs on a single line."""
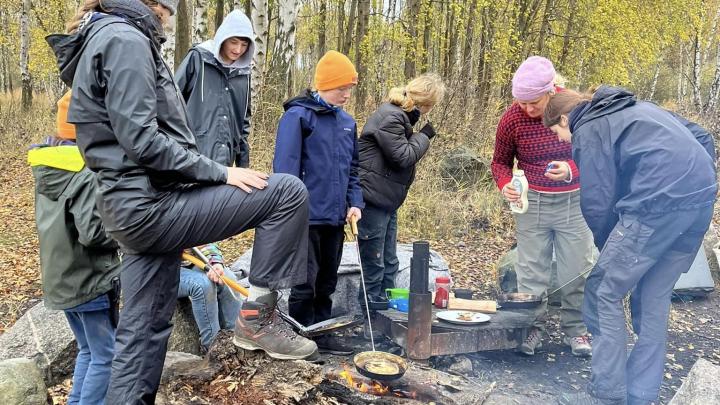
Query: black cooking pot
{"points": [[380, 365], [519, 300]]}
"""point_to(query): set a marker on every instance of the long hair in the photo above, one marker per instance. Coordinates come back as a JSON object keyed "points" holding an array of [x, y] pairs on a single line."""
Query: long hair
{"points": [[561, 104], [94, 5], [427, 89]]}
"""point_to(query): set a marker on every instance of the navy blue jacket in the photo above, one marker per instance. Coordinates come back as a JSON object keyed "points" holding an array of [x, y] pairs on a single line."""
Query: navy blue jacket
{"points": [[638, 158], [319, 145]]}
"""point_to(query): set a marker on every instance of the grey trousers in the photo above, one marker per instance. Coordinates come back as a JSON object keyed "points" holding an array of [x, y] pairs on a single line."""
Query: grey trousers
{"points": [[645, 257], [554, 221], [279, 215]]}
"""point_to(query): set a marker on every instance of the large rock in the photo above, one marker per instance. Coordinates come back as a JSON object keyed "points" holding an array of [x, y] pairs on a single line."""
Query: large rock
{"points": [[44, 336], [185, 336], [21, 383], [700, 386], [711, 244], [345, 299], [461, 168], [188, 367]]}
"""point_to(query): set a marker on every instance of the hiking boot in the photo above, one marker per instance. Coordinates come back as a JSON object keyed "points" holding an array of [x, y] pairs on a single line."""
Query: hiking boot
{"points": [[580, 345], [332, 345], [258, 327], [583, 398], [532, 342]]}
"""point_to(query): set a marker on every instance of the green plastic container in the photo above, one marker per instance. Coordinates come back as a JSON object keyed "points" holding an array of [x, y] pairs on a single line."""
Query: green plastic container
{"points": [[394, 293]]}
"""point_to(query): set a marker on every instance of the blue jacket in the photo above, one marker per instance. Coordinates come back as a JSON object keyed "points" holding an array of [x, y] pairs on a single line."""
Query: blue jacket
{"points": [[318, 144], [638, 158]]}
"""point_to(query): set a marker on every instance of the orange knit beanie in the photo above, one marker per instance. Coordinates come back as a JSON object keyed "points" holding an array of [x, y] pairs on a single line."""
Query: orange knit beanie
{"points": [[334, 70], [65, 130]]}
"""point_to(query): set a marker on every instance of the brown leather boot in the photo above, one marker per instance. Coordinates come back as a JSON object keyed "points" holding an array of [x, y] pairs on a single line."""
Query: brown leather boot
{"points": [[258, 327]]}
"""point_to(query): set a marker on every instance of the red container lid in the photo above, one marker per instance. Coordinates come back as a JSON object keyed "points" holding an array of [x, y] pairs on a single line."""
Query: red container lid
{"points": [[442, 280]]}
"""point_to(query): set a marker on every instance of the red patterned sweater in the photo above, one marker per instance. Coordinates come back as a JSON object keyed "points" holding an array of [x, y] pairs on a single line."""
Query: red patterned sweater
{"points": [[525, 138]]}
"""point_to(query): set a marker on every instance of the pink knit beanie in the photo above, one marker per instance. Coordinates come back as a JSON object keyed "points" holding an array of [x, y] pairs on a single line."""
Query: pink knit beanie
{"points": [[533, 78]]}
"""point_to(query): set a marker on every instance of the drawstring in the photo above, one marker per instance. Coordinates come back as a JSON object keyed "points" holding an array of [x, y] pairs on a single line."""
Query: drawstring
{"points": [[202, 80], [537, 199]]}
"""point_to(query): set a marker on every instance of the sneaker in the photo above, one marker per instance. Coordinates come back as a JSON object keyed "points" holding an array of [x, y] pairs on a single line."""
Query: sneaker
{"points": [[583, 398], [332, 345], [580, 345], [532, 342], [258, 327]]}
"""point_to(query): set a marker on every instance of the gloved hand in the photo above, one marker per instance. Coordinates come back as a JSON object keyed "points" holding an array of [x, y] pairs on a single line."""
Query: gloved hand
{"points": [[428, 130]]}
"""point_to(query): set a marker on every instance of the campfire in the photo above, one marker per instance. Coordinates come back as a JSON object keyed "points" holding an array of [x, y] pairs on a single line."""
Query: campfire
{"points": [[372, 387]]}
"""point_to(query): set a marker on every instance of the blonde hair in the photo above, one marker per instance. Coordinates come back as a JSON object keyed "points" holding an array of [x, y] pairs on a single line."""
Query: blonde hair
{"points": [[426, 89]]}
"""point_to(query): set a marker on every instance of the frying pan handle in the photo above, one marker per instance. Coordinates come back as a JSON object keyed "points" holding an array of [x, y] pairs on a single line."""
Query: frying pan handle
{"points": [[203, 264]]}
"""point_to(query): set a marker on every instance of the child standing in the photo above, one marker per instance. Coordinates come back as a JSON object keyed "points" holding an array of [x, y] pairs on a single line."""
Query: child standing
{"points": [[214, 79], [317, 142], [80, 266]]}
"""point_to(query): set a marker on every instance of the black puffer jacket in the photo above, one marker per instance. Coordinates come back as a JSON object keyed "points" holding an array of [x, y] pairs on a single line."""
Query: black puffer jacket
{"points": [[131, 123], [389, 152]]}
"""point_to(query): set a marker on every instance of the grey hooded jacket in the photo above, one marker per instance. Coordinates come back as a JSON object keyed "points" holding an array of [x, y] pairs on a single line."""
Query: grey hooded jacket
{"points": [[131, 121], [218, 95]]}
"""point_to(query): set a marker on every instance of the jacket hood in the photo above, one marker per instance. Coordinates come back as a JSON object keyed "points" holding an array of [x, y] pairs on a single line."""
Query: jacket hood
{"points": [[306, 100], [606, 100], [69, 47], [236, 24]]}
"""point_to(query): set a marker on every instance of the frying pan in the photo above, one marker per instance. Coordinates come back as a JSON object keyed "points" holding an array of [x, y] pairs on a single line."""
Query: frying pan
{"points": [[366, 362], [317, 329], [525, 301]]}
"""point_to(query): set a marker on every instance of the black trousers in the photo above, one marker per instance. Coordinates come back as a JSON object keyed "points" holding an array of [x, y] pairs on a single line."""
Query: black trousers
{"points": [[279, 215], [311, 302]]}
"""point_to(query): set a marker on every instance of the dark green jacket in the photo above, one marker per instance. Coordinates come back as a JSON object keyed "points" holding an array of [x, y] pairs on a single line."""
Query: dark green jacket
{"points": [[78, 259]]}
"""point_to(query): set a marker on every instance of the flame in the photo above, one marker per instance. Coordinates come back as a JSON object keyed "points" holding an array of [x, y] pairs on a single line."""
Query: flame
{"points": [[374, 388]]}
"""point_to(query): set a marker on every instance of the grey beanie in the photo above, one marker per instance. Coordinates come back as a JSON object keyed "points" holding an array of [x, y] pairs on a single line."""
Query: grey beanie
{"points": [[169, 4]]}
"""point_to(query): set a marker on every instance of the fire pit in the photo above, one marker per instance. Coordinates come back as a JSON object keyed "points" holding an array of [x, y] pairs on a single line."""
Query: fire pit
{"points": [[422, 336]]}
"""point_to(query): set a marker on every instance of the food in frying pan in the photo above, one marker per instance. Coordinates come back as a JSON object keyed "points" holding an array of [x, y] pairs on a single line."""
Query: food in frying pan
{"points": [[381, 366]]}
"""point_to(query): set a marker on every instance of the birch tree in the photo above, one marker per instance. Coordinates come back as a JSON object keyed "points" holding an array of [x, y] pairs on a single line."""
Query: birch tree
{"points": [[25, 55], [259, 17], [200, 23], [168, 48], [284, 48]]}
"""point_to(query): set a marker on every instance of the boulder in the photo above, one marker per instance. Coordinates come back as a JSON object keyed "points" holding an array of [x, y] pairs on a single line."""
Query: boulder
{"points": [[187, 367], [711, 244], [21, 383], [700, 386], [345, 299], [461, 168], [44, 336], [185, 336]]}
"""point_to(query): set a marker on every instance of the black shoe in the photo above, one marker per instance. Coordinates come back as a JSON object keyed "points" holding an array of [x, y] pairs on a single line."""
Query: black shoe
{"points": [[331, 345]]}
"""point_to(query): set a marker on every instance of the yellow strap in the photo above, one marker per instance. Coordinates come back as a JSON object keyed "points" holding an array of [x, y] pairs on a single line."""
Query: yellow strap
{"points": [[66, 157]]}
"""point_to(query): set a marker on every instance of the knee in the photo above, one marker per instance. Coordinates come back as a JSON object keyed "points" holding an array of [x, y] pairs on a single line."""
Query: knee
{"points": [[291, 187]]}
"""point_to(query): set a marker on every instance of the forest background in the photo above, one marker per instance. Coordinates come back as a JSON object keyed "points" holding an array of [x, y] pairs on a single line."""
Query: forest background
{"points": [[665, 51]]}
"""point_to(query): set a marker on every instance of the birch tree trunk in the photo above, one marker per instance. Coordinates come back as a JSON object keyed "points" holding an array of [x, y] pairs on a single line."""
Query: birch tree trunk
{"points": [[200, 24], [25, 55], [259, 17], [712, 103], [284, 48], [697, 68], [653, 85], [168, 48]]}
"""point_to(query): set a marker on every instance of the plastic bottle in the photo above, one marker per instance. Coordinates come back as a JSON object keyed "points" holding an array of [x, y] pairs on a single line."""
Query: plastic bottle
{"points": [[442, 292], [520, 183]]}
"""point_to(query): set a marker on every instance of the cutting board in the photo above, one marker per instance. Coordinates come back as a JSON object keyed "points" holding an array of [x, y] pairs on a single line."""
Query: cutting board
{"points": [[484, 306]]}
